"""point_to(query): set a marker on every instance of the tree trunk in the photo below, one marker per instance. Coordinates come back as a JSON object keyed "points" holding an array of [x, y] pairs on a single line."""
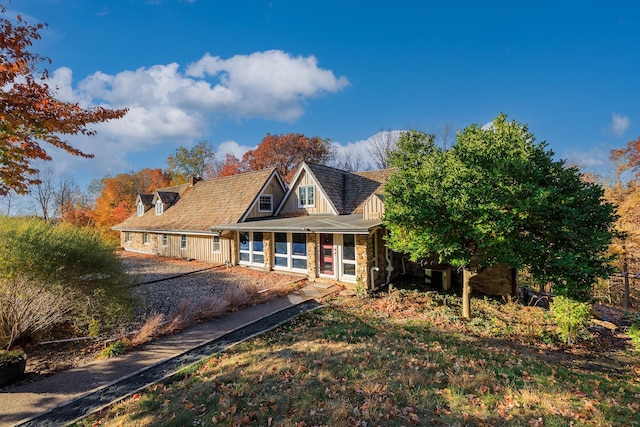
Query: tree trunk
{"points": [[466, 292]]}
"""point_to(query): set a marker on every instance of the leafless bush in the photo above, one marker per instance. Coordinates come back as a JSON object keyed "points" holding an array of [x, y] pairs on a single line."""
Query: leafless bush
{"points": [[213, 307], [239, 296], [27, 308], [150, 328], [182, 316]]}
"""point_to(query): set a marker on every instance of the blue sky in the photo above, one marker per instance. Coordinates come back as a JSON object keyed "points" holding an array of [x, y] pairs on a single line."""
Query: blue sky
{"points": [[229, 72]]}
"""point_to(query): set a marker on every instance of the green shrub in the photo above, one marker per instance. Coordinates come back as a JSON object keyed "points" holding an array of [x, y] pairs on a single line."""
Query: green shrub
{"points": [[362, 291], [634, 334], [571, 317], [77, 263], [116, 348]]}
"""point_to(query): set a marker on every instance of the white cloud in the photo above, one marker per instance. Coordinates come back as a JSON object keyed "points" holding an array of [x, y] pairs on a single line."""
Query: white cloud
{"points": [[271, 84], [171, 107], [232, 147], [619, 124]]}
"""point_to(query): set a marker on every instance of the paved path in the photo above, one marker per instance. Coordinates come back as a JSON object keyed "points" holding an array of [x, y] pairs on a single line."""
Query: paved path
{"points": [[63, 390]]}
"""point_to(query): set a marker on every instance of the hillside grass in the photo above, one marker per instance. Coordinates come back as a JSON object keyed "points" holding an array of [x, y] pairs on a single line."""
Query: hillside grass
{"points": [[398, 359]]}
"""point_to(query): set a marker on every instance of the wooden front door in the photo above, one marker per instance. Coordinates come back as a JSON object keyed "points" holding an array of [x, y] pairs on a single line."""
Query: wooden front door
{"points": [[327, 263]]}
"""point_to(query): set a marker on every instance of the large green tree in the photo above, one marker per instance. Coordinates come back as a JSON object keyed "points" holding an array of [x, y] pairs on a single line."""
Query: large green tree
{"points": [[498, 197], [197, 161]]}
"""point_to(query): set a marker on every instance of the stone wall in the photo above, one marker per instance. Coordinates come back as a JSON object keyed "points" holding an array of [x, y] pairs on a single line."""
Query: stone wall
{"points": [[137, 243], [495, 280], [312, 257], [363, 248], [267, 242]]}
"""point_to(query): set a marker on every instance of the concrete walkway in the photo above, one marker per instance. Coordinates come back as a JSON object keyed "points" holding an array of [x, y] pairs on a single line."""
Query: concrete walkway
{"points": [[21, 403]]}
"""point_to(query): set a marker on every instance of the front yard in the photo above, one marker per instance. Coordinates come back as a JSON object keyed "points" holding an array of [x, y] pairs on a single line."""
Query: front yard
{"points": [[399, 359], [165, 287]]}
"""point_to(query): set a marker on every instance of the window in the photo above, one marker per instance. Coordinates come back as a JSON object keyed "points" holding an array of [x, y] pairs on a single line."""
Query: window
{"points": [[140, 209], [159, 208], [145, 238], [251, 248], [183, 241], [290, 251], [165, 240], [127, 237], [349, 255], [265, 203], [257, 248], [306, 196], [215, 244]]}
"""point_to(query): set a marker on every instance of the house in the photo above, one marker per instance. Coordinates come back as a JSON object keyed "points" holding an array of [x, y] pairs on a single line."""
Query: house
{"points": [[176, 221], [326, 224]]}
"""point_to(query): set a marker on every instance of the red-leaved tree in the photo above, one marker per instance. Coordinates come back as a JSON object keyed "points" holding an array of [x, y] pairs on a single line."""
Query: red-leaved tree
{"points": [[30, 113], [285, 152]]}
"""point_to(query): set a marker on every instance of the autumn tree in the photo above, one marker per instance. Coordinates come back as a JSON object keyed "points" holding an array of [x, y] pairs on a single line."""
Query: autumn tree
{"points": [[497, 197], [196, 161], [622, 188], [285, 152], [30, 113], [231, 166], [116, 195]]}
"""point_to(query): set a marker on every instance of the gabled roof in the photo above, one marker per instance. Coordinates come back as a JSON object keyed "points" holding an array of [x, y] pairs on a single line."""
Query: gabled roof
{"points": [[146, 199], [345, 191], [166, 197], [219, 201], [361, 185]]}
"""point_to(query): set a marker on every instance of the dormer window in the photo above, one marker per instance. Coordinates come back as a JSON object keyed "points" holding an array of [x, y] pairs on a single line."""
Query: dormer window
{"points": [[265, 203], [159, 207], [306, 196], [140, 209]]}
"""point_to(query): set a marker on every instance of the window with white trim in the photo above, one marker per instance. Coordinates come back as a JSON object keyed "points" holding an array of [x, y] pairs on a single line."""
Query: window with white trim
{"points": [[349, 255], [165, 240], [290, 251], [145, 238], [265, 203], [215, 244], [159, 207], [127, 237], [306, 196], [183, 241], [251, 248], [140, 209]]}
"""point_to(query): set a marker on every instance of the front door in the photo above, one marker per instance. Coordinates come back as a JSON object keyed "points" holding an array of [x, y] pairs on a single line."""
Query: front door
{"points": [[327, 264]]}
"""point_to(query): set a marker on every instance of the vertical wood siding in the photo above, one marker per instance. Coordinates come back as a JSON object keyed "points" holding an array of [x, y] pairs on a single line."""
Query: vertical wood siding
{"points": [[198, 248], [291, 205], [277, 193], [373, 208]]}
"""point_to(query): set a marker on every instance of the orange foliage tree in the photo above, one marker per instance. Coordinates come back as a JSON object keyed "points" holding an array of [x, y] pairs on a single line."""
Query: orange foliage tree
{"points": [[626, 195], [117, 194], [285, 152], [231, 166], [30, 114]]}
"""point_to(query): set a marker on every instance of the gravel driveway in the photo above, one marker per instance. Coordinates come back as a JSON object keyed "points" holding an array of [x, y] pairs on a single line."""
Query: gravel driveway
{"points": [[164, 283]]}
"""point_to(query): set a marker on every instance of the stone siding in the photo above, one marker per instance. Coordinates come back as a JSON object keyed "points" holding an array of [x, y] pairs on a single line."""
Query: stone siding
{"points": [[312, 257], [495, 280]]}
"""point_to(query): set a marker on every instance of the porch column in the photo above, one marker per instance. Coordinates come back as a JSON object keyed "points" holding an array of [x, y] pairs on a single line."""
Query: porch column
{"points": [[363, 247], [267, 242], [312, 256]]}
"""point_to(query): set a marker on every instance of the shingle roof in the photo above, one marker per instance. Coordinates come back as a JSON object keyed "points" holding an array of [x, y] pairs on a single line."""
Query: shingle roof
{"points": [[361, 185], [349, 190], [332, 181], [219, 201], [146, 199]]}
